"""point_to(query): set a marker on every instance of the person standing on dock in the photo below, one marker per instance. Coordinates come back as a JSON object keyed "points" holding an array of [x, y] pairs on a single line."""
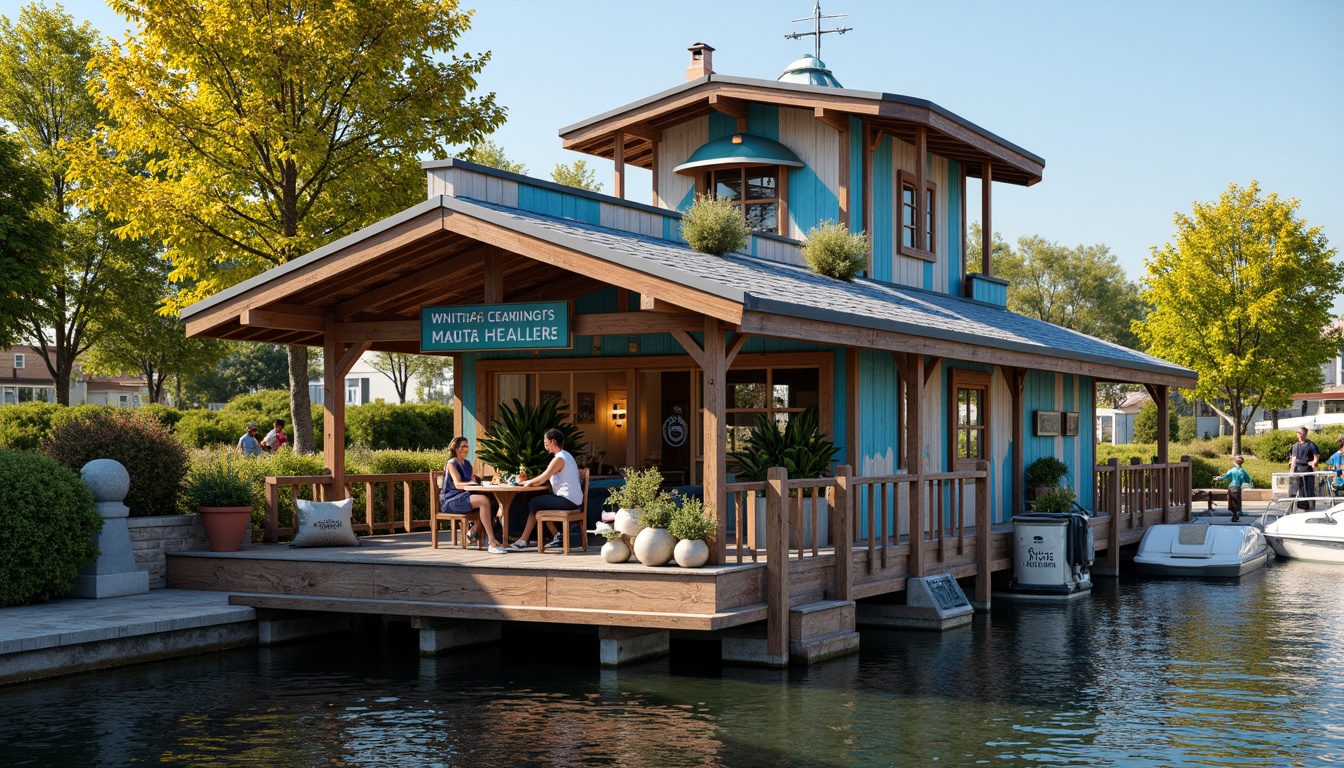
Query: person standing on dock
{"points": [[1302, 459], [1237, 478]]}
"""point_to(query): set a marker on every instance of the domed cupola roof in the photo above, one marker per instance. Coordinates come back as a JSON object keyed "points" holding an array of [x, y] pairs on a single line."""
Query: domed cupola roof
{"points": [[809, 70]]}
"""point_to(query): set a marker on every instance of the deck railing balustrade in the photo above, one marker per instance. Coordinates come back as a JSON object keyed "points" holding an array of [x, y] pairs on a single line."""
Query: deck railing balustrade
{"points": [[407, 492]]}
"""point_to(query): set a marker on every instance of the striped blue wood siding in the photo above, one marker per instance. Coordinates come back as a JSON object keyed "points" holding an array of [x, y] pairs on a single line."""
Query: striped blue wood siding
{"points": [[552, 203]]}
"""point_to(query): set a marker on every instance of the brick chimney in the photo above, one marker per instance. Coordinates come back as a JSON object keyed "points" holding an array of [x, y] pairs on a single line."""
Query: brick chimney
{"points": [[702, 61]]}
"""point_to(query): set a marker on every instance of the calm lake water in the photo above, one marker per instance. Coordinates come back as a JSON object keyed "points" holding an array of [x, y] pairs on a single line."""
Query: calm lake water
{"points": [[1142, 673]]}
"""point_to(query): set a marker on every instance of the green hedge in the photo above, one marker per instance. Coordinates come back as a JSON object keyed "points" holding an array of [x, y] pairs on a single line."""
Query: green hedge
{"points": [[153, 456], [47, 525], [411, 427], [24, 425]]}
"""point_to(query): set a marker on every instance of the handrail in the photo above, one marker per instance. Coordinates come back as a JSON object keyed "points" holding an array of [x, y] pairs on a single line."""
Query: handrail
{"points": [[320, 486]]}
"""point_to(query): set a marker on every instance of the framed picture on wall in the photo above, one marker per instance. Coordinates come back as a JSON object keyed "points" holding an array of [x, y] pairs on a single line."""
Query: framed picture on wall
{"points": [[1071, 424], [585, 409], [1048, 423]]}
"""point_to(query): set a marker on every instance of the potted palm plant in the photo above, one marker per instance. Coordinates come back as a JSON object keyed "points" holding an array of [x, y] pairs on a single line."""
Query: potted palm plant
{"points": [[515, 438], [694, 528], [223, 493], [801, 449]]}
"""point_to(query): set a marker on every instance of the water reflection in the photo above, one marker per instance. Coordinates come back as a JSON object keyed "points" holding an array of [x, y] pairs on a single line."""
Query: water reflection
{"points": [[1144, 673]]}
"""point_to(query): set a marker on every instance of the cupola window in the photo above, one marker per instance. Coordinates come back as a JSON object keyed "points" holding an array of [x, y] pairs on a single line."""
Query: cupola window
{"points": [[751, 172], [752, 190]]}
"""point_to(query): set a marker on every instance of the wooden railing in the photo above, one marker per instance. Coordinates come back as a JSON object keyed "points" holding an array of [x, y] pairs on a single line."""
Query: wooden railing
{"points": [[403, 495], [937, 512]]}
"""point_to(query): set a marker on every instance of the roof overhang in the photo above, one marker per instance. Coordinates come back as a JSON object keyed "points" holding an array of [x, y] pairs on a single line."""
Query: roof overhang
{"points": [[640, 124]]}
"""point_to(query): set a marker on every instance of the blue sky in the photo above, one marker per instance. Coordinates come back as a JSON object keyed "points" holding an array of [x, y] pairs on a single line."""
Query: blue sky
{"points": [[1139, 108]]}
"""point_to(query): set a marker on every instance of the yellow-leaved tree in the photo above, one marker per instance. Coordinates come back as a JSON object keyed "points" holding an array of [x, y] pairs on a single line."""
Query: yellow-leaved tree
{"points": [[1243, 296], [267, 130]]}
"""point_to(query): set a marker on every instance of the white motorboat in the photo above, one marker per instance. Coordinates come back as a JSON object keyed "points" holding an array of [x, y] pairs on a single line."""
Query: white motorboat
{"points": [[1202, 550], [1309, 535]]}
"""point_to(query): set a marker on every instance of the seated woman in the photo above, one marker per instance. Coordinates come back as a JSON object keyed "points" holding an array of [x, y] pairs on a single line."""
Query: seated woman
{"points": [[566, 489], [457, 473]]}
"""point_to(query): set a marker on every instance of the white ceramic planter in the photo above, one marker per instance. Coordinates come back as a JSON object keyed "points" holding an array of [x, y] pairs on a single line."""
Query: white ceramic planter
{"points": [[627, 522], [616, 551], [691, 553], [653, 546]]}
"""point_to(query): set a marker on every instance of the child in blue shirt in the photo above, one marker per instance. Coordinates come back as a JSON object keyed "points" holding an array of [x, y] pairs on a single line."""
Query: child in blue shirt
{"points": [[1237, 478]]}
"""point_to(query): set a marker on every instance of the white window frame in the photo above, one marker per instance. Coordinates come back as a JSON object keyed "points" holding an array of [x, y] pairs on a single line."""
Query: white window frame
{"points": [[20, 360]]}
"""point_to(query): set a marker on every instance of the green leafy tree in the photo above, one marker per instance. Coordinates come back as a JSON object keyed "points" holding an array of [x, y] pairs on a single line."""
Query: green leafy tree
{"points": [[577, 174], [273, 129], [491, 155], [134, 335], [1145, 424], [246, 368], [998, 249], [433, 385], [44, 98], [26, 239], [1243, 296]]}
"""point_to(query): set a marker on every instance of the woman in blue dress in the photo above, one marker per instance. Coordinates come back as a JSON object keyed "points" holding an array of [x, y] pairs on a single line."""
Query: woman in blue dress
{"points": [[457, 473]]}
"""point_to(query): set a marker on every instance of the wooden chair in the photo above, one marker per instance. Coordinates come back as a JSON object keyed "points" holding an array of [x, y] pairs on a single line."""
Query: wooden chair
{"points": [[457, 521], [564, 517]]}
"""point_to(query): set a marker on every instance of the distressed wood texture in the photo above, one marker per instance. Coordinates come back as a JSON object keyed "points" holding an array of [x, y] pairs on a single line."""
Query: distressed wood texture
{"points": [[679, 141]]}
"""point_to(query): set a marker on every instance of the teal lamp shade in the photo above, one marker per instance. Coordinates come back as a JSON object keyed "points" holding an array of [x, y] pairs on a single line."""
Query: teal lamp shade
{"points": [[740, 149]]}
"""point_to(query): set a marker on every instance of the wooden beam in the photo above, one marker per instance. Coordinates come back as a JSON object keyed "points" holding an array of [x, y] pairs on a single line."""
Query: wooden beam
{"points": [[987, 219], [351, 356], [433, 274], [618, 159], [734, 347], [378, 330], [333, 406], [842, 147], [729, 106], [1015, 377], [714, 395], [611, 323], [281, 320], [657, 172], [649, 303], [834, 118], [914, 414], [934, 365], [687, 343], [866, 194], [822, 332], [493, 269], [455, 377]]}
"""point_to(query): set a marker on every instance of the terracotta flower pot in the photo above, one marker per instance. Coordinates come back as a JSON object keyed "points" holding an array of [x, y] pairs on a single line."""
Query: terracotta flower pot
{"points": [[225, 527]]}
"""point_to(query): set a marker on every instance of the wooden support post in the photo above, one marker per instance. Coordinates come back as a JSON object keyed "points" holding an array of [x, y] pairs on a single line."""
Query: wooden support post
{"points": [[1016, 377], [333, 418], [776, 562], [987, 219], [842, 531], [1183, 498], [618, 158], [842, 193], [982, 534], [715, 398], [1113, 525], [657, 201], [455, 377], [1164, 449], [494, 278], [867, 193], [914, 409], [921, 194]]}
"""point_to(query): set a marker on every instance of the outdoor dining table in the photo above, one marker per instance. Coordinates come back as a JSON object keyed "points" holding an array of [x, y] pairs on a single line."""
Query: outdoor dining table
{"points": [[504, 494]]}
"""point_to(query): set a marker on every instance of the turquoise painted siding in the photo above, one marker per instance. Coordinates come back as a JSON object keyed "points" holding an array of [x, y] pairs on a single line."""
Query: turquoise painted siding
{"points": [[1038, 394], [856, 223], [683, 206], [956, 254], [882, 231], [551, 203], [763, 120], [721, 125], [988, 291], [810, 200], [879, 427]]}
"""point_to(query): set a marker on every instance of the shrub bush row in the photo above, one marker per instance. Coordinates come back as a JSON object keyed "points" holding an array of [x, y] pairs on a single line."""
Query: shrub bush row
{"points": [[47, 525], [379, 426]]}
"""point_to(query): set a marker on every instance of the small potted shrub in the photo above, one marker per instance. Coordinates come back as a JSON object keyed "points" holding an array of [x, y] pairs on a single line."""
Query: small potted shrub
{"points": [[694, 529], [831, 250], [640, 488], [1044, 474], [1057, 500], [654, 545], [616, 549], [224, 495], [714, 226]]}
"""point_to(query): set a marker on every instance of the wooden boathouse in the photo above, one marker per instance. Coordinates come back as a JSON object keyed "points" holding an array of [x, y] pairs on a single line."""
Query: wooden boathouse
{"points": [[933, 389]]}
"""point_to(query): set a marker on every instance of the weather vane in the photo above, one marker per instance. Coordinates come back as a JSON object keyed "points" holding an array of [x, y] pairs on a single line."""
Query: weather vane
{"points": [[817, 31]]}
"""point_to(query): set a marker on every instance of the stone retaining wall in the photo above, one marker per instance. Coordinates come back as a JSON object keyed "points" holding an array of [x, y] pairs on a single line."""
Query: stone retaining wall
{"points": [[152, 538]]}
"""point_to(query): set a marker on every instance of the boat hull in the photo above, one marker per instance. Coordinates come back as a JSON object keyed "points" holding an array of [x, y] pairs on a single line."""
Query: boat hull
{"points": [[1315, 536], [1199, 550]]}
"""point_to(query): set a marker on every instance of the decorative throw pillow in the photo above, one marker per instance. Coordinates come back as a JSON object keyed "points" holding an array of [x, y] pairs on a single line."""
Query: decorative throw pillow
{"points": [[324, 524]]}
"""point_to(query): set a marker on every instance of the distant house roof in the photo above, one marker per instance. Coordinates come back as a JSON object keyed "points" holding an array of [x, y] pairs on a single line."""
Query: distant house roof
{"points": [[767, 288]]}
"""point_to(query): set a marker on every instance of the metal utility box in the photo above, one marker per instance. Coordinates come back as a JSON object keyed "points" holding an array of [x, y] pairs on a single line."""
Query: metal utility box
{"points": [[1052, 553]]}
